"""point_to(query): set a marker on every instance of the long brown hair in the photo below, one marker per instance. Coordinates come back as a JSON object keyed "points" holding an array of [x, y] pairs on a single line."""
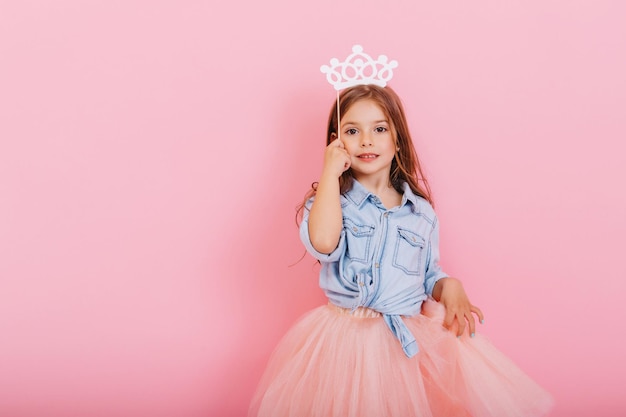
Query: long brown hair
{"points": [[405, 167]]}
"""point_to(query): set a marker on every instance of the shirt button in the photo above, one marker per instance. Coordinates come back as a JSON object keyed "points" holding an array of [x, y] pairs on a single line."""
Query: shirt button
{"points": [[361, 284], [355, 229], [377, 265], [386, 214]]}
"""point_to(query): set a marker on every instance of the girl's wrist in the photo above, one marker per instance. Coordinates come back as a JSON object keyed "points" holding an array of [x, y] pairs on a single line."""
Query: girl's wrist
{"points": [[329, 175], [441, 283]]}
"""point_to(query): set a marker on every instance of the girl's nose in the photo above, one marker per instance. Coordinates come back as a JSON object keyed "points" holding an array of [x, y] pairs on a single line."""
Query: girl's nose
{"points": [[366, 140]]}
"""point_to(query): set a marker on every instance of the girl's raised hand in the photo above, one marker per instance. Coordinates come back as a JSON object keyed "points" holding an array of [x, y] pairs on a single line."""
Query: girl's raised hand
{"points": [[459, 311], [336, 158]]}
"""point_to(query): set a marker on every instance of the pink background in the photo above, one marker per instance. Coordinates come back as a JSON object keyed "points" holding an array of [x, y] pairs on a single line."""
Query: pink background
{"points": [[152, 154]]}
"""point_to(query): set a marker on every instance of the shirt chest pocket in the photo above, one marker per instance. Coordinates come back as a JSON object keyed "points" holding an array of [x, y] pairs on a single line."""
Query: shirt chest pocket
{"points": [[408, 252], [359, 240]]}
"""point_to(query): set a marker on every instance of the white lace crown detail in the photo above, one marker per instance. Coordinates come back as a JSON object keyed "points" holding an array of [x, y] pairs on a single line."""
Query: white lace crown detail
{"points": [[359, 68]]}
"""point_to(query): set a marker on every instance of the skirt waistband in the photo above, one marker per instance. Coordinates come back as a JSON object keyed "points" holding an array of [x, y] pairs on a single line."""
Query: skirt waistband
{"points": [[359, 312]]}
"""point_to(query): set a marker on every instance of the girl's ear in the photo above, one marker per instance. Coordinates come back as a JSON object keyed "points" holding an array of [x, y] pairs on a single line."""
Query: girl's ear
{"points": [[333, 136]]}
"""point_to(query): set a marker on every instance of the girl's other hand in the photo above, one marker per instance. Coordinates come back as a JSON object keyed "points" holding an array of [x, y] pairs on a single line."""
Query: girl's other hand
{"points": [[336, 158], [459, 311]]}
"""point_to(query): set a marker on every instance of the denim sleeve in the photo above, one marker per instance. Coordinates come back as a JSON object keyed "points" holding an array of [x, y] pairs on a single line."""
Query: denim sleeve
{"points": [[306, 240], [433, 271]]}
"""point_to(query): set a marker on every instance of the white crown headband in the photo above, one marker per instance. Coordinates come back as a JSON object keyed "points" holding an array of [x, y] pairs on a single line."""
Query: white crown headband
{"points": [[358, 69]]}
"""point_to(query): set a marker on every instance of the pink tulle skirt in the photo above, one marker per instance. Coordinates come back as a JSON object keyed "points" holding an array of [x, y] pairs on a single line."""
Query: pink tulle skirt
{"points": [[334, 363]]}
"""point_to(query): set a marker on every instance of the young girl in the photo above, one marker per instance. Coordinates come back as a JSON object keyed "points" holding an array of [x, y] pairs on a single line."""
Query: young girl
{"points": [[397, 338]]}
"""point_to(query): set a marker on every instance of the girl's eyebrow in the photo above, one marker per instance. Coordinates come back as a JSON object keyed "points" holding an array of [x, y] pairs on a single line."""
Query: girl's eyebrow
{"points": [[345, 123]]}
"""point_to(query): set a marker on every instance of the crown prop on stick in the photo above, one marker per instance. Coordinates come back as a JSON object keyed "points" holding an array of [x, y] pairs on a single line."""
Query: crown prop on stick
{"points": [[359, 68]]}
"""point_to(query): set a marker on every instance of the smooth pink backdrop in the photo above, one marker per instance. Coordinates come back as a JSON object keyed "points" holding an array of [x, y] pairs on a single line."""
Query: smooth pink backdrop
{"points": [[152, 154]]}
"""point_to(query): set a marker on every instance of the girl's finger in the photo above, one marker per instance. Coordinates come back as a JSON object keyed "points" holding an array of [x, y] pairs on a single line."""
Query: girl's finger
{"points": [[461, 320], [448, 319], [479, 313], [472, 323], [346, 164]]}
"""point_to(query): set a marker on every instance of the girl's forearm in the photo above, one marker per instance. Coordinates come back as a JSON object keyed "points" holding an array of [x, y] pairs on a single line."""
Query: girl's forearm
{"points": [[325, 218]]}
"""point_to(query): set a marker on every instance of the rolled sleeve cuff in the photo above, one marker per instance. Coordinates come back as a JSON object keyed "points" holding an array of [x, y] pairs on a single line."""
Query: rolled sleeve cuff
{"points": [[322, 257], [431, 280]]}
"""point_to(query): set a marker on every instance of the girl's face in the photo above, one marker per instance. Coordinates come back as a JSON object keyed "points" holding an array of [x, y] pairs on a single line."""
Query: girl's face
{"points": [[369, 139]]}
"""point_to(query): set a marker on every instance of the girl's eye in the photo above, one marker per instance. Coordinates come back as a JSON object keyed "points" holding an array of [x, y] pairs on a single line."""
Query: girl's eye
{"points": [[351, 131], [380, 129]]}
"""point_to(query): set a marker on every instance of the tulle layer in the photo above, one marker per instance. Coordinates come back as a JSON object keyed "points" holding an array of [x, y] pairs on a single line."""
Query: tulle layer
{"points": [[336, 364]]}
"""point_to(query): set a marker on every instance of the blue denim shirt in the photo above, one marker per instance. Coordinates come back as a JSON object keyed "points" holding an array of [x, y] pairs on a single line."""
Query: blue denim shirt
{"points": [[386, 260]]}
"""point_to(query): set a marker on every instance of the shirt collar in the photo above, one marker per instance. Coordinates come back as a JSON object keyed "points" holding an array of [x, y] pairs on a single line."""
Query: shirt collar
{"points": [[409, 195], [359, 194]]}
